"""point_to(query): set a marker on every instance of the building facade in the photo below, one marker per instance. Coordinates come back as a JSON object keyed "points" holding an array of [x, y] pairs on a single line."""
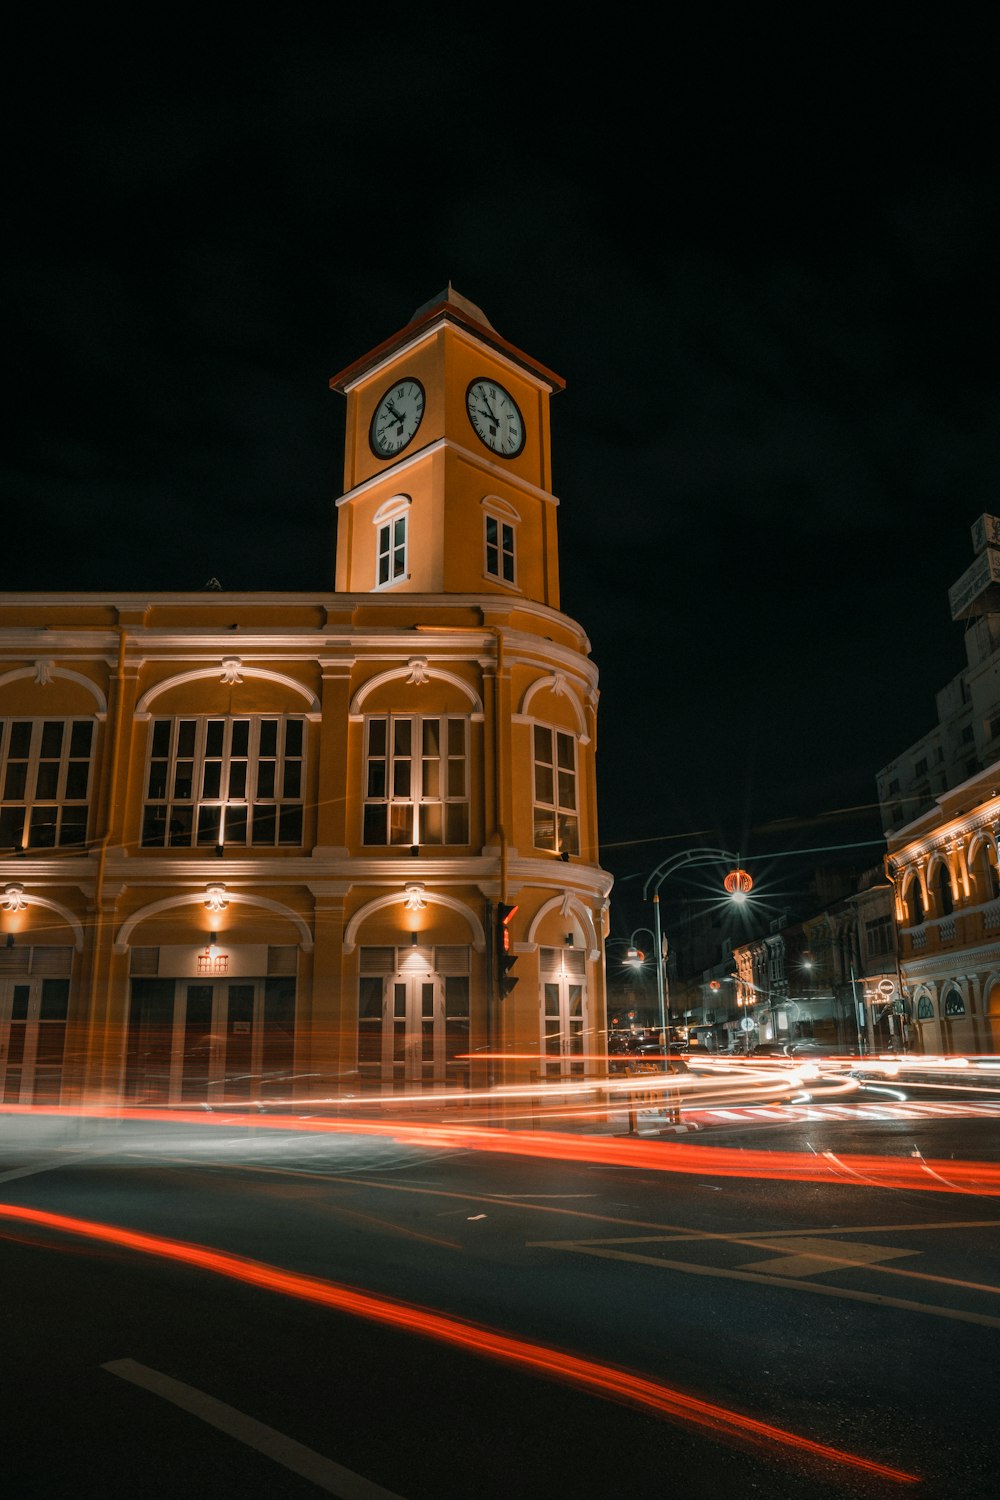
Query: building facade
{"points": [[941, 811], [260, 845]]}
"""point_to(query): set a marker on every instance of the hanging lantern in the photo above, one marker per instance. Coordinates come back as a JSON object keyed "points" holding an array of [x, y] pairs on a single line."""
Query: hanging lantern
{"points": [[739, 884]]}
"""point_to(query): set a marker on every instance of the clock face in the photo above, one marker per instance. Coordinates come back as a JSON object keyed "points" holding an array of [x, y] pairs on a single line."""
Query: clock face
{"points": [[397, 417], [496, 417]]}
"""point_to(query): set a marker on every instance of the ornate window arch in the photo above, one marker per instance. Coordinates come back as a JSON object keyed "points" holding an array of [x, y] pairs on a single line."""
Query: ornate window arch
{"points": [[212, 901], [415, 896], [953, 1003], [230, 671], [500, 523], [391, 522], [912, 898], [939, 885]]}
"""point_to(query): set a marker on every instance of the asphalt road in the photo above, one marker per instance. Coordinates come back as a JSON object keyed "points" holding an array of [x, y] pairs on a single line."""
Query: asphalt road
{"points": [[856, 1316]]}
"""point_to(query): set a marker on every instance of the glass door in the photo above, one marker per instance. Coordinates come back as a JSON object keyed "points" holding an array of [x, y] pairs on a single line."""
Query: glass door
{"points": [[413, 1030], [211, 1042], [32, 1039], [562, 1028]]}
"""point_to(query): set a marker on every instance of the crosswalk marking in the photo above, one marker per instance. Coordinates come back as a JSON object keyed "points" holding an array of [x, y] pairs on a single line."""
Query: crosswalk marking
{"points": [[794, 1113]]}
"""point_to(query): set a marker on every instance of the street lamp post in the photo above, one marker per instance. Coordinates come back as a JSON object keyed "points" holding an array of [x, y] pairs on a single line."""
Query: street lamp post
{"points": [[689, 859], [636, 958]]}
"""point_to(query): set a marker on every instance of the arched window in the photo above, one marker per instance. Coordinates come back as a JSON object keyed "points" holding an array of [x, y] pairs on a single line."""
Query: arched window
{"points": [[914, 905], [945, 903], [984, 872], [954, 1005], [925, 1008], [391, 555]]}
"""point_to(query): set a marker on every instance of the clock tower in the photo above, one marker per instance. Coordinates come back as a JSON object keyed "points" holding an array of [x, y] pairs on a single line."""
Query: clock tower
{"points": [[447, 465]]}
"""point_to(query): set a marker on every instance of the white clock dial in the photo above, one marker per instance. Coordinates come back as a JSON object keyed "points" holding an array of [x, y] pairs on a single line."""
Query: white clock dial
{"points": [[397, 417], [496, 417]]}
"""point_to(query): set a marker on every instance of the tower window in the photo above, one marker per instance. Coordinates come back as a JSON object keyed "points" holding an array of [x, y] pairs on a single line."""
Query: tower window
{"points": [[499, 549], [557, 822], [416, 780], [392, 551]]}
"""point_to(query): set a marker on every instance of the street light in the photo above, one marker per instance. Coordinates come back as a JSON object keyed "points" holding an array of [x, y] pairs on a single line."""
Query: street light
{"points": [[737, 883]]}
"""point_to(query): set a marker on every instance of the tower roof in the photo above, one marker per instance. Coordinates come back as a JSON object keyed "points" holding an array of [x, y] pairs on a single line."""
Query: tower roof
{"points": [[448, 306], [453, 299]]}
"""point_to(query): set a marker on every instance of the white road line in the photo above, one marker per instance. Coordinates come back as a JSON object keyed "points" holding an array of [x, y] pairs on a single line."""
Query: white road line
{"points": [[53, 1163], [322, 1472]]}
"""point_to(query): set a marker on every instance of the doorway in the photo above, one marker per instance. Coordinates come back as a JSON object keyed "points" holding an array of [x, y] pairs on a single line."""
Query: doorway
{"points": [[563, 994], [210, 1041], [32, 1039], [413, 1017]]}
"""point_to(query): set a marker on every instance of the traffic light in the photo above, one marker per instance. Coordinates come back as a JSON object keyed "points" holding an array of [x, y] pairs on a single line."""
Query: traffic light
{"points": [[505, 959]]}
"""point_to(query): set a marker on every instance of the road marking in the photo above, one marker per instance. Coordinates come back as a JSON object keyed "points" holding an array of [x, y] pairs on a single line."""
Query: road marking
{"points": [[847, 1294], [53, 1163], [801, 1256], [322, 1472]]}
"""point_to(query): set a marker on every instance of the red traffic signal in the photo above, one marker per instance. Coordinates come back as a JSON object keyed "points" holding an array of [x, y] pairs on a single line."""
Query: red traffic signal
{"points": [[504, 958]]}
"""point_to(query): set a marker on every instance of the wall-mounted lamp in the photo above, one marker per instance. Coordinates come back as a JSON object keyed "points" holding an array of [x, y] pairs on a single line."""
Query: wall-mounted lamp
{"points": [[213, 945], [413, 939], [215, 898], [10, 940], [568, 940], [414, 850], [220, 850], [565, 856]]}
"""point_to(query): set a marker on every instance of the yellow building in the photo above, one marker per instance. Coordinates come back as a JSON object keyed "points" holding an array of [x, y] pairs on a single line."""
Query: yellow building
{"points": [[260, 845]]}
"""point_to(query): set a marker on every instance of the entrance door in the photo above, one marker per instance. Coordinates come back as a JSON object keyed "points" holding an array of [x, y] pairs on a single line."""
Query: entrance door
{"points": [[562, 1041], [207, 1042], [32, 1039], [413, 1029]]}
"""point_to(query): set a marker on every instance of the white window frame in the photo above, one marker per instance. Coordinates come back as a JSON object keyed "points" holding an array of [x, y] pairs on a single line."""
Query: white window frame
{"points": [[392, 542], [32, 802], [505, 518], [564, 812], [234, 807], [398, 780]]}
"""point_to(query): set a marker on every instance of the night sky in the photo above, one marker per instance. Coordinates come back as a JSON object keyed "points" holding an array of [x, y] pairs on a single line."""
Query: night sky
{"points": [[764, 261]]}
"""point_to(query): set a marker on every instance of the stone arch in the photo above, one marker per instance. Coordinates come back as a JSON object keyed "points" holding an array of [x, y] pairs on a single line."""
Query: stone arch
{"points": [[984, 868], [424, 897], [573, 909], [940, 884], [991, 1007], [198, 898], [501, 508], [229, 671], [924, 1008], [912, 898], [43, 672], [557, 683], [396, 505], [417, 671], [15, 898]]}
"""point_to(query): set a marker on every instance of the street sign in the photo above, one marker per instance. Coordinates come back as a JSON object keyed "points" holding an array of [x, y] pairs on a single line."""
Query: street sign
{"points": [[886, 987], [747, 1025]]}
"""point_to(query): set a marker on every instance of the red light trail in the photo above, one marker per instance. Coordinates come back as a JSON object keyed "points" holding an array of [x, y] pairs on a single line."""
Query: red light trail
{"points": [[604, 1380]]}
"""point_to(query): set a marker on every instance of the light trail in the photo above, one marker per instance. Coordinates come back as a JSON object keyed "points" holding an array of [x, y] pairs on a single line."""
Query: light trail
{"points": [[982, 1178], [604, 1380]]}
